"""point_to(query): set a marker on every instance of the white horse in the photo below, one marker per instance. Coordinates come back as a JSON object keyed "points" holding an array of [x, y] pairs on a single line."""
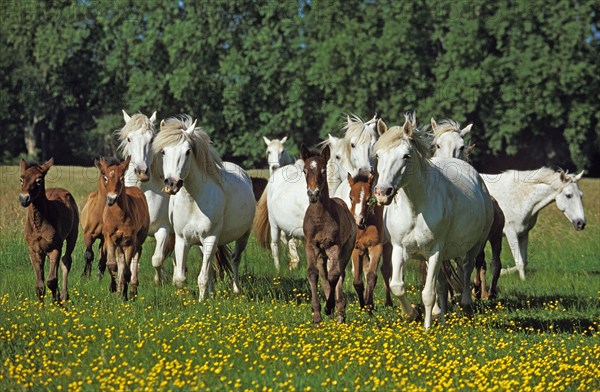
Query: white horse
{"points": [[448, 139], [211, 203], [437, 209], [277, 155], [136, 141], [523, 194], [362, 137]]}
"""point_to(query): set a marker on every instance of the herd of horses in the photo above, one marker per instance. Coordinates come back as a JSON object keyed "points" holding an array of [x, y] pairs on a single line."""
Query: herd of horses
{"points": [[377, 195]]}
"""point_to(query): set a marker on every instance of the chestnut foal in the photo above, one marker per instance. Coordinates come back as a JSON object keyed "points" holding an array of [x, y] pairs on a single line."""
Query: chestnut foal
{"points": [[91, 223], [52, 218], [330, 233], [125, 223], [369, 237]]}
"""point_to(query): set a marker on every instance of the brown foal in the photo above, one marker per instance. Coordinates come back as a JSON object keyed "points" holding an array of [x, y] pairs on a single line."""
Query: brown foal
{"points": [[330, 233], [125, 223], [91, 223], [52, 218], [369, 237]]}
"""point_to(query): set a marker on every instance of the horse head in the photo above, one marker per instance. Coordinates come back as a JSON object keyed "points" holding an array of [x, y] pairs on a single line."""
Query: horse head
{"points": [[448, 139], [136, 141], [113, 177], [315, 170], [569, 200], [276, 153], [32, 180], [361, 197]]}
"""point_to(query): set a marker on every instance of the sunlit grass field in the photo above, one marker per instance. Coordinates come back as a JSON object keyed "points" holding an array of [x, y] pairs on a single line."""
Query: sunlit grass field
{"points": [[541, 334]]}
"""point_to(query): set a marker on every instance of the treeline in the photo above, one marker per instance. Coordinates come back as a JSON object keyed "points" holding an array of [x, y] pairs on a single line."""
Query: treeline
{"points": [[527, 74]]}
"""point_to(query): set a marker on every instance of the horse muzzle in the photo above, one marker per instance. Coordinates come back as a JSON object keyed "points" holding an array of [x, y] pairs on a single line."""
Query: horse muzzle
{"points": [[171, 186], [384, 194], [313, 195], [111, 198], [24, 199], [579, 224], [142, 175]]}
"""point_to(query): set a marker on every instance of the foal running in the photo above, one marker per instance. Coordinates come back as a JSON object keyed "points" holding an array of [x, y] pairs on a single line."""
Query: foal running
{"points": [[91, 223], [125, 223], [369, 237], [330, 233], [52, 218]]}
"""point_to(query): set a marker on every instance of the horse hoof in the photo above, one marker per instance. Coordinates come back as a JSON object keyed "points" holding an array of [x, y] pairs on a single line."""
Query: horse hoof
{"points": [[341, 318], [328, 311]]}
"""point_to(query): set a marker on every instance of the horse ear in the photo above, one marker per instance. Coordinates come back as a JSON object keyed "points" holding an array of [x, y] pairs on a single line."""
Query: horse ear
{"points": [[283, 140], [153, 117], [563, 176], [267, 141], [125, 164], [407, 128], [350, 180], [433, 124], [465, 130], [348, 119], [326, 152], [47, 165], [470, 148], [191, 127], [304, 152], [162, 123], [126, 117], [332, 140], [23, 165], [578, 177], [381, 127]]}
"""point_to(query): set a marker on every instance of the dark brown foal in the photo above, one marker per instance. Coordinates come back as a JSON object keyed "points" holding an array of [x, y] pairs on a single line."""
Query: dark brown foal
{"points": [[330, 234], [52, 218], [369, 237], [125, 223]]}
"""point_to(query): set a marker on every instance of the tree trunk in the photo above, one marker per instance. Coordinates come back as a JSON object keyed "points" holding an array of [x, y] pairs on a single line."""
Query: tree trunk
{"points": [[31, 137]]}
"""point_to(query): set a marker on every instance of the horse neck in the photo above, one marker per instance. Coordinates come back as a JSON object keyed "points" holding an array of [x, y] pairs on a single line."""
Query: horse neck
{"points": [[415, 189], [286, 159], [122, 203], [539, 197], [196, 181], [38, 210]]}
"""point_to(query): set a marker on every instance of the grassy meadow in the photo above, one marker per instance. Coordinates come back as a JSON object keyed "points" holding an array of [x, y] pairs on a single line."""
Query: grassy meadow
{"points": [[541, 334]]}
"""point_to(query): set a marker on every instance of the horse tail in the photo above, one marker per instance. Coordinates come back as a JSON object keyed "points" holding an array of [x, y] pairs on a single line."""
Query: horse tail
{"points": [[258, 187], [169, 245], [453, 277], [262, 226], [223, 263]]}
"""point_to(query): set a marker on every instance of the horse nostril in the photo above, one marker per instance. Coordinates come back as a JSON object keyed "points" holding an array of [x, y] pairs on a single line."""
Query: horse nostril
{"points": [[166, 181], [389, 191], [179, 183]]}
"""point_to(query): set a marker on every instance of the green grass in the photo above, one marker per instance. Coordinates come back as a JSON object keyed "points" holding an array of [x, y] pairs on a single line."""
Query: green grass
{"points": [[541, 334]]}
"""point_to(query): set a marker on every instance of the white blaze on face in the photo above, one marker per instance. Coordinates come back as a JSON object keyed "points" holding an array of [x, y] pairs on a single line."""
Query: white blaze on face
{"points": [[313, 165], [359, 206]]}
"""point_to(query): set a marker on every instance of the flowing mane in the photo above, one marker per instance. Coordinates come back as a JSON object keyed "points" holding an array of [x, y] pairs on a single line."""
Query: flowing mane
{"points": [[357, 130], [342, 147], [394, 136], [443, 126], [138, 121], [173, 132], [544, 175]]}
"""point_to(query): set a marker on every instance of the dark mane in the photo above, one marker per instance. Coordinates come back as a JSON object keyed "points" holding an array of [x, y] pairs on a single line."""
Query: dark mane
{"points": [[313, 152], [361, 177], [111, 161], [30, 164]]}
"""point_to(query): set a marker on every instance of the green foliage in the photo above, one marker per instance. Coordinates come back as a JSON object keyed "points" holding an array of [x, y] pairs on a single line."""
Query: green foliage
{"points": [[526, 74]]}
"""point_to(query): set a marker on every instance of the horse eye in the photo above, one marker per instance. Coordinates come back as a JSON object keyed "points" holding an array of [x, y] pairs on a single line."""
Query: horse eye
{"points": [[162, 152], [462, 148], [105, 178], [337, 157], [305, 171], [569, 196], [187, 152], [21, 180], [406, 156], [128, 140], [122, 178], [38, 181], [352, 145], [438, 146]]}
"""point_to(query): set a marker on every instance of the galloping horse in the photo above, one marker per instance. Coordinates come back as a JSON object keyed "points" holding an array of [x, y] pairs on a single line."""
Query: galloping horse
{"points": [[448, 142], [369, 237], [136, 142], [125, 223], [330, 233], [52, 219], [437, 209], [211, 202], [91, 223], [277, 155], [521, 195]]}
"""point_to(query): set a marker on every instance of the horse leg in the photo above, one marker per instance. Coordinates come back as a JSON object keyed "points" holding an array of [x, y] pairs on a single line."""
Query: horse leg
{"points": [[161, 236], [37, 262], [386, 272], [523, 245], [54, 258], [513, 243], [429, 291], [496, 244], [180, 260], [441, 292], [468, 262], [399, 258], [66, 262], [340, 300], [209, 246], [121, 273], [479, 289], [356, 272], [109, 247], [88, 242], [134, 268], [275, 233], [103, 261], [294, 258], [333, 276], [312, 273], [322, 263], [374, 256], [240, 245]]}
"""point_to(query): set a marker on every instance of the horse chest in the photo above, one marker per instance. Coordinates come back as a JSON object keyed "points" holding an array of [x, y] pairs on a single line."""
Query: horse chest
{"points": [[42, 237]]}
